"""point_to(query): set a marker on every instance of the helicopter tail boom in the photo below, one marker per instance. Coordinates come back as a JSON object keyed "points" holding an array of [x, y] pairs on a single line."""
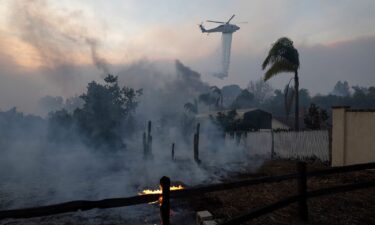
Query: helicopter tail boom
{"points": [[202, 28]]}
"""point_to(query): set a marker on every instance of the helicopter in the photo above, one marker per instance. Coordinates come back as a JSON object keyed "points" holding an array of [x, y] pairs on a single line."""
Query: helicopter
{"points": [[225, 28]]}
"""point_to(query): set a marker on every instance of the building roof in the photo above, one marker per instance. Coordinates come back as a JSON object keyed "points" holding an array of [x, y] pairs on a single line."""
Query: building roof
{"points": [[240, 112]]}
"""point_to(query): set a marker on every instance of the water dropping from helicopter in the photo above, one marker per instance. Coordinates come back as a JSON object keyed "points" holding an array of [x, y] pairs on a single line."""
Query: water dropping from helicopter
{"points": [[227, 29]]}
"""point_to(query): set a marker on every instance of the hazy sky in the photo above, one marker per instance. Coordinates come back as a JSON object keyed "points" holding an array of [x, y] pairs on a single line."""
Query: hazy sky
{"points": [[45, 44]]}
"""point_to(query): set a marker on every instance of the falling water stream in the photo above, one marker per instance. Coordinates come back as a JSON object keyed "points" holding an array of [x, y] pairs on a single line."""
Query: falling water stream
{"points": [[226, 42]]}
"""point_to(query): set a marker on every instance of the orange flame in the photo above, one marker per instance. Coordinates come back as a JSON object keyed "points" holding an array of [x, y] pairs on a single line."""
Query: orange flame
{"points": [[158, 191]]}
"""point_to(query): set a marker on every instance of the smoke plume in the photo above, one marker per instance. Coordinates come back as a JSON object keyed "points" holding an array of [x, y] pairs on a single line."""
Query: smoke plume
{"points": [[37, 171], [98, 61], [57, 37]]}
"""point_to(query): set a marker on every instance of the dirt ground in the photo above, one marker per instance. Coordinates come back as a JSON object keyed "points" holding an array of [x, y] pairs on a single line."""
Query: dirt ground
{"points": [[356, 207]]}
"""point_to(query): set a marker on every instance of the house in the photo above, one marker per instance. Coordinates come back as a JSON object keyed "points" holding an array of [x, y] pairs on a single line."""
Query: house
{"points": [[248, 119]]}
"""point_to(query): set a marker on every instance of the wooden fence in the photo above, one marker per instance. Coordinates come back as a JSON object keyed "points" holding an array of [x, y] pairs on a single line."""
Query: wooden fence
{"points": [[166, 195], [285, 144]]}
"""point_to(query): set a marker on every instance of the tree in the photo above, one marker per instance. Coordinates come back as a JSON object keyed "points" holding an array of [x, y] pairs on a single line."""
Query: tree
{"points": [[212, 98], [304, 98], [261, 90], [371, 93], [219, 96], [359, 98], [316, 118], [283, 57], [243, 100], [50, 103], [73, 103], [230, 92], [341, 89], [275, 104], [106, 109], [16, 126], [289, 97], [192, 107], [61, 126], [207, 99]]}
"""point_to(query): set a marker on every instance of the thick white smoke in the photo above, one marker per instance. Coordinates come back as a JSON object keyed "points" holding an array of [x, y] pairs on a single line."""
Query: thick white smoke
{"points": [[37, 171], [226, 42]]}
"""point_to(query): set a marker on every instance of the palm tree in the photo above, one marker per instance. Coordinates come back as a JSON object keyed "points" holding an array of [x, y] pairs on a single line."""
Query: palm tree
{"points": [[207, 99], [219, 101], [212, 98], [283, 57]]}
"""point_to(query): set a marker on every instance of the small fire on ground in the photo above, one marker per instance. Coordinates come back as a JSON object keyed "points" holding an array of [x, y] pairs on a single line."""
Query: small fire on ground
{"points": [[158, 191]]}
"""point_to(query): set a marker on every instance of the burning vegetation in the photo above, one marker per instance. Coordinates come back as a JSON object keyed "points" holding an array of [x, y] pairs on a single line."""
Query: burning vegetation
{"points": [[158, 191]]}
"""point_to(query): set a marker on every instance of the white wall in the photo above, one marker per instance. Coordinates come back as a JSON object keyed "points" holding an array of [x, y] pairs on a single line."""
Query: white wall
{"points": [[353, 136]]}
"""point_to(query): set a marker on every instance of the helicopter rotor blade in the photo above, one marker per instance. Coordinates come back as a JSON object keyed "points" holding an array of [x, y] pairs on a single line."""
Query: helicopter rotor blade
{"points": [[242, 22], [230, 18], [213, 21]]}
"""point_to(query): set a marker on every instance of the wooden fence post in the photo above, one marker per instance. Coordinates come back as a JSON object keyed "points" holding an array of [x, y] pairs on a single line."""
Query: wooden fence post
{"points": [[165, 207], [196, 144], [149, 139], [147, 142], [272, 144], [330, 146], [144, 146], [302, 191]]}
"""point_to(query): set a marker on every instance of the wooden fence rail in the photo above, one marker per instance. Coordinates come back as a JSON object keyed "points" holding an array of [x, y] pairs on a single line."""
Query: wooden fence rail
{"points": [[292, 199], [271, 179], [142, 199], [77, 205], [341, 169]]}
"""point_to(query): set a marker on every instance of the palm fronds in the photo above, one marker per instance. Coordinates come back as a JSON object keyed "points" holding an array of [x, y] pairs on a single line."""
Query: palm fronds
{"points": [[192, 107], [282, 57], [279, 66]]}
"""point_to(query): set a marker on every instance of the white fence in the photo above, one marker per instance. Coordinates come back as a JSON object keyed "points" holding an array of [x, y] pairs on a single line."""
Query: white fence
{"points": [[289, 145]]}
